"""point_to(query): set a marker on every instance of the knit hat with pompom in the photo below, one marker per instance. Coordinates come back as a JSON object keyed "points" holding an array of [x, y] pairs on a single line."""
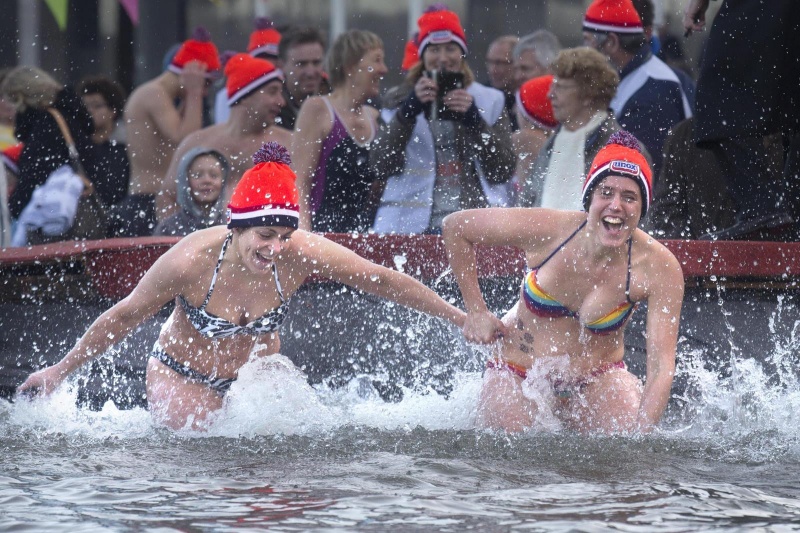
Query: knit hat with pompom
{"points": [[266, 195], [621, 156]]}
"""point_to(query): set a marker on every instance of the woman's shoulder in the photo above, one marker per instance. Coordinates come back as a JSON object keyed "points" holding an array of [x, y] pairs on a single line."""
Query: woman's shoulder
{"points": [[653, 255]]}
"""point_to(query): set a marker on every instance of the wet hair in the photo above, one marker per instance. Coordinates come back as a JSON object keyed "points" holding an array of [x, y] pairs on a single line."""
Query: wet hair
{"points": [[347, 51], [296, 36], [544, 45], [28, 86], [597, 80], [111, 91]]}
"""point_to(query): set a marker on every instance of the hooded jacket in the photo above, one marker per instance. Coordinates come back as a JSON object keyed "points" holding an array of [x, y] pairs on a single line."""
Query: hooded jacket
{"points": [[191, 216]]}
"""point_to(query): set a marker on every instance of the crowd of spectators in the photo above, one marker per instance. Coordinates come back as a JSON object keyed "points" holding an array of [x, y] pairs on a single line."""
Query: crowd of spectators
{"points": [[400, 159]]}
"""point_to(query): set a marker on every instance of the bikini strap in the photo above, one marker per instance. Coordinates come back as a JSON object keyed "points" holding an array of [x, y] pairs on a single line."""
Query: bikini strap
{"points": [[628, 280], [331, 110], [277, 282], [561, 246], [216, 269]]}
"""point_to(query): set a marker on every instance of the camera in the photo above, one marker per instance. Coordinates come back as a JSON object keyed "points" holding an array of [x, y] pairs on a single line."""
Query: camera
{"points": [[446, 81]]}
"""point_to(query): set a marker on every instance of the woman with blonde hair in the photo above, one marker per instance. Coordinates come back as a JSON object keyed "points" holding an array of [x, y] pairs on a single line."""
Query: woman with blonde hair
{"points": [[331, 153], [583, 85], [34, 94]]}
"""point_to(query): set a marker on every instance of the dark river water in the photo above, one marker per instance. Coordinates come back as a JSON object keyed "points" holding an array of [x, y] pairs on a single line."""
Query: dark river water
{"points": [[289, 457]]}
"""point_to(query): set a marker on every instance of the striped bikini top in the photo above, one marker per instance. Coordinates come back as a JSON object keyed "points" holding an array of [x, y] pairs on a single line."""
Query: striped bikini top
{"points": [[214, 327], [542, 304]]}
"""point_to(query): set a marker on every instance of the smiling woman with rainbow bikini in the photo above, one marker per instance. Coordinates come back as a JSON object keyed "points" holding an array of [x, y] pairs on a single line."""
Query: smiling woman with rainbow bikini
{"points": [[560, 348], [231, 287]]}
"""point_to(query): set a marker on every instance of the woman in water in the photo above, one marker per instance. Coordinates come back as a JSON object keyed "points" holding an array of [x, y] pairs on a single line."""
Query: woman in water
{"points": [[231, 285], [560, 354]]}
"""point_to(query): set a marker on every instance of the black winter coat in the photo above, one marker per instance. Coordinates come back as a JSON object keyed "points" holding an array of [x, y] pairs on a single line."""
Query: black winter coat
{"points": [[44, 147]]}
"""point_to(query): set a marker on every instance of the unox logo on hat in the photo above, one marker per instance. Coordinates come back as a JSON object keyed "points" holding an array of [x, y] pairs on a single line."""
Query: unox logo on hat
{"points": [[625, 167], [440, 37]]}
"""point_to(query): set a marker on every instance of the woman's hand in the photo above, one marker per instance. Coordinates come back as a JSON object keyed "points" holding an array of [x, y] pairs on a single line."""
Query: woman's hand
{"points": [[43, 382], [482, 327], [426, 90], [458, 100]]}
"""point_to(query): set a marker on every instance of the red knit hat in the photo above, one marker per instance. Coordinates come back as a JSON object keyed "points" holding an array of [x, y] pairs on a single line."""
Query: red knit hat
{"points": [[533, 103], [439, 25], [617, 16], [264, 39], [198, 48], [266, 195], [246, 73], [621, 156], [410, 54], [10, 157]]}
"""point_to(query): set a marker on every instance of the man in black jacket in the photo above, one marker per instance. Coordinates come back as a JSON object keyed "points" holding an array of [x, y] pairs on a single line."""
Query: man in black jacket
{"points": [[749, 87]]}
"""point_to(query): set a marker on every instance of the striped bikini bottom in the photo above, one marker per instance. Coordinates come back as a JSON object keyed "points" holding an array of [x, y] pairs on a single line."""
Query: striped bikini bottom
{"points": [[220, 385]]}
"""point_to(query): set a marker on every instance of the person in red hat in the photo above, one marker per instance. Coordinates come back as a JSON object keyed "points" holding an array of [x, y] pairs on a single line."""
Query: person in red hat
{"points": [[155, 125], [232, 287], [254, 94], [650, 98], [446, 144], [583, 85], [559, 361], [536, 122]]}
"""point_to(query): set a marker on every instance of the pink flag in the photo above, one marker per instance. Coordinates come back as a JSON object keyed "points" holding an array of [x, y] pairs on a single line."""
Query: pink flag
{"points": [[132, 9]]}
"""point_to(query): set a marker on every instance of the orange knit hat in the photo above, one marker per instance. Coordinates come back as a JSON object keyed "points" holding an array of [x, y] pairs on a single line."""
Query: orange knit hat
{"points": [[266, 195], [264, 39], [410, 54], [617, 16], [439, 25], [533, 103], [198, 48], [246, 73], [621, 156]]}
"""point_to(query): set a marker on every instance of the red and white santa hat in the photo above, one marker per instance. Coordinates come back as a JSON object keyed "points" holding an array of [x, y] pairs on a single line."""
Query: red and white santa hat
{"points": [[616, 16], [534, 104], [266, 195], [10, 157], [621, 156], [439, 25], [264, 39], [246, 73], [197, 48]]}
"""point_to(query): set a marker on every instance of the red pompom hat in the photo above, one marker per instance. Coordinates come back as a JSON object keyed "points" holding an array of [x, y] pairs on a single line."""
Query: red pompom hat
{"points": [[410, 54], [198, 48], [533, 103], [10, 157], [617, 16], [246, 73], [621, 156], [266, 195], [264, 39], [439, 25]]}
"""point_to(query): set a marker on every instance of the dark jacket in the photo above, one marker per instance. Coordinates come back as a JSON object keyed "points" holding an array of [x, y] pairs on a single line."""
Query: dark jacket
{"points": [[45, 149], [649, 101], [112, 170], [690, 197], [749, 83]]}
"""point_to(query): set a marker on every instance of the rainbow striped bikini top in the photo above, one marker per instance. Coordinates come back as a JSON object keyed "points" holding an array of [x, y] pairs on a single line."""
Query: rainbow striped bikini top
{"points": [[542, 304]]}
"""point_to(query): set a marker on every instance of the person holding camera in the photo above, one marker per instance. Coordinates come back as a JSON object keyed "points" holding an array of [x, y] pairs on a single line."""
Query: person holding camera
{"points": [[447, 145]]}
